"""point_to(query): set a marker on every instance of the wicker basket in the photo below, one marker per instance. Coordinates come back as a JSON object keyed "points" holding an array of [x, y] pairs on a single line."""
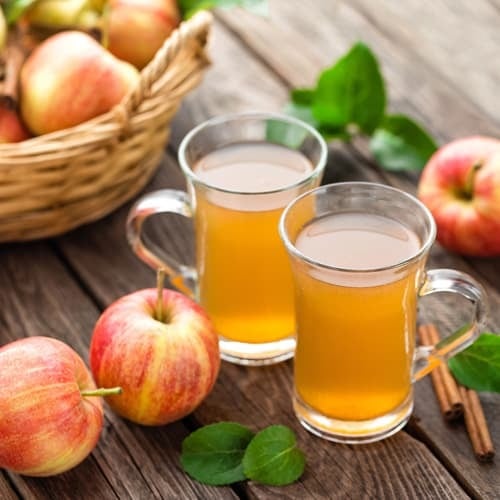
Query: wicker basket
{"points": [[58, 181]]}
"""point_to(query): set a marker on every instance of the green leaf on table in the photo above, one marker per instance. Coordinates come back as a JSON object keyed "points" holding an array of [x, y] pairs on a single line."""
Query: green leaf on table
{"points": [[401, 144], [213, 454], [190, 7], [304, 113], [351, 92], [272, 457], [14, 9], [478, 366], [302, 97]]}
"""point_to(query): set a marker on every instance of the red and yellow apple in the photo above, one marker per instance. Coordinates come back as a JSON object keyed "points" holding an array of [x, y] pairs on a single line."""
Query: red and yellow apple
{"points": [[50, 418], [11, 127], [69, 79], [138, 28], [461, 187], [165, 366]]}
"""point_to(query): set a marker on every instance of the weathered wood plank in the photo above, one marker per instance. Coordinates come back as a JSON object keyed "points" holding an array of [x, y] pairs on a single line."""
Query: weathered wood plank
{"points": [[6, 490], [293, 34], [430, 32], [38, 297]]}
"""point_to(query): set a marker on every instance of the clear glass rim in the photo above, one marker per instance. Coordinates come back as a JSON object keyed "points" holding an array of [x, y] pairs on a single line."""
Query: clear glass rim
{"points": [[293, 250], [218, 120]]}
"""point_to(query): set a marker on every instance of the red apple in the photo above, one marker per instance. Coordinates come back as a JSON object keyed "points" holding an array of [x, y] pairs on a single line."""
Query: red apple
{"points": [[11, 127], [461, 187], [138, 28], [166, 366], [49, 421], [69, 79]]}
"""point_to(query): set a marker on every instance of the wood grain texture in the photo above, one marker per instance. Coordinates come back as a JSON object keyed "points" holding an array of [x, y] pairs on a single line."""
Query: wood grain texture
{"points": [[6, 490], [38, 297], [326, 30], [454, 38]]}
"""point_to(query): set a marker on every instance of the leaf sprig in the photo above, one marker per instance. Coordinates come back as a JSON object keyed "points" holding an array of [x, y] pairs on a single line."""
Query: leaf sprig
{"points": [[228, 452], [478, 366], [350, 100]]}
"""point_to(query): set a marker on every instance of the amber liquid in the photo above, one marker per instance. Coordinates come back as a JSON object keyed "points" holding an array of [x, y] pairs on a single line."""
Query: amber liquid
{"points": [[245, 282], [355, 330]]}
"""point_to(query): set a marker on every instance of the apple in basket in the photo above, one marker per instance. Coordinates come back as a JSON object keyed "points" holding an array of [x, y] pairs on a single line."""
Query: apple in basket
{"points": [[138, 28], [51, 412], [69, 79], [461, 187], [3, 30], [11, 127], [160, 347], [63, 13]]}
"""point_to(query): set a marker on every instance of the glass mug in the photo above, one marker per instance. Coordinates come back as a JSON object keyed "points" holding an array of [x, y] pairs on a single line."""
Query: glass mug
{"points": [[358, 252], [241, 171]]}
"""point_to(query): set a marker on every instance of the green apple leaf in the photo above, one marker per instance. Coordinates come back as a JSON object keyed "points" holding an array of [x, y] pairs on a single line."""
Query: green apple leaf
{"points": [[190, 7], [352, 92], [14, 9], [272, 457], [302, 97], [213, 454], [401, 144], [304, 113], [478, 366]]}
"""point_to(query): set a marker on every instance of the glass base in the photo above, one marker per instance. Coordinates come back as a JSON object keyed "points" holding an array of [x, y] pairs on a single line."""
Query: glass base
{"points": [[256, 354], [350, 431]]}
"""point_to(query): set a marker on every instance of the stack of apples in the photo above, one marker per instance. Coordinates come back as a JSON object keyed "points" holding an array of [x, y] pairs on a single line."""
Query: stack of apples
{"points": [[70, 77], [152, 368]]}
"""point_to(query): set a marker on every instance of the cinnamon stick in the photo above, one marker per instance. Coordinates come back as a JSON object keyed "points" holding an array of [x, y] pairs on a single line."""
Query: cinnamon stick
{"points": [[476, 425], [445, 387], [455, 400]]}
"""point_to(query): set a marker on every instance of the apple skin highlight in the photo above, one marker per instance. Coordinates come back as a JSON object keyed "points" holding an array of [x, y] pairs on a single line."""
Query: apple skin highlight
{"points": [[165, 368], [461, 187]]}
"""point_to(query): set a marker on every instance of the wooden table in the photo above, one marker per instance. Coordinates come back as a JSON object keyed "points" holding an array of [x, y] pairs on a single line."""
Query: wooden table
{"points": [[440, 61]]}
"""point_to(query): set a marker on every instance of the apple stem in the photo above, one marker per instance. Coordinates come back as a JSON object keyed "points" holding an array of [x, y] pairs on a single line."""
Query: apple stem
{"points": [[102, 392], [468, 189], [160, 279]]}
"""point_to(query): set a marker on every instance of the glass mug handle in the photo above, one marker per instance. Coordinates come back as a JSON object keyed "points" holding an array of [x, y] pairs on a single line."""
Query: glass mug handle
{"points": [[171, 201], [449, 280]]}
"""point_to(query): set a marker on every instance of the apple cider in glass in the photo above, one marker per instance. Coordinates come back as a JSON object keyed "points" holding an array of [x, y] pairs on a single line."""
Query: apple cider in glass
{"points": [[241, 171], [355, 349], [245, 281]]}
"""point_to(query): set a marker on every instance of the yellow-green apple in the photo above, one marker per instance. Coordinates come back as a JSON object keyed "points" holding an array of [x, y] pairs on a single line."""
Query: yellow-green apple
{"points": [[68, 79], [63, 13], [3, 30], [11, 127], [51, 414], [138, 28], [166, 363], [461, 187]]}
